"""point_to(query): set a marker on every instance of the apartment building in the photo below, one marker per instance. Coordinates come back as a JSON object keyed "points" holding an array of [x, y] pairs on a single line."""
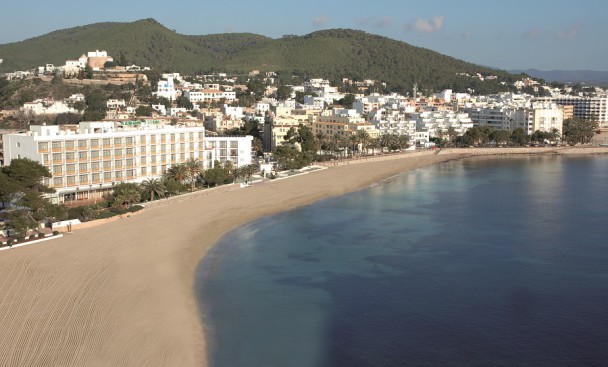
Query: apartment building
{"points": [[588, 108], [88, 162]]}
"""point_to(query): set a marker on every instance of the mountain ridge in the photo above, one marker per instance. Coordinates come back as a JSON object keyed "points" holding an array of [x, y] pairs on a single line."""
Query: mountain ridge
{"points": [[332, 53]]}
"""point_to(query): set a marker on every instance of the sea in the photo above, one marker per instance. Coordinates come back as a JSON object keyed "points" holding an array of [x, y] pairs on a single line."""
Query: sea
{"points": [[476, 262]]}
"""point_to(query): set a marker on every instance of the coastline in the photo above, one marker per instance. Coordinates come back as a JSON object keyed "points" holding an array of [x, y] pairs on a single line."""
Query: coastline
{"points": [[123, 294]]}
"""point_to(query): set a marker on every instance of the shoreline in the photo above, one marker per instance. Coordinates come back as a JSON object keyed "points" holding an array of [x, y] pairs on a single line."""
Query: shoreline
{"points": [[123, 293]]}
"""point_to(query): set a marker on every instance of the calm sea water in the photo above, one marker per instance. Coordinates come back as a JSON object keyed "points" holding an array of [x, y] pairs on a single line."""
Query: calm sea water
{"points": [[469, 263]]}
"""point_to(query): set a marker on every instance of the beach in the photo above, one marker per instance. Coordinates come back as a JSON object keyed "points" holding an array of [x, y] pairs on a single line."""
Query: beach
{"points": [[122, 294]]}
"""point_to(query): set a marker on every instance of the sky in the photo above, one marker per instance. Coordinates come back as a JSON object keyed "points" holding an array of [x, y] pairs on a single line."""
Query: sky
{"points": [[514, 34]]}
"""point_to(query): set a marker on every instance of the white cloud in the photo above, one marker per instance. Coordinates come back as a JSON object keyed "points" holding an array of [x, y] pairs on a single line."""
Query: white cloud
{"points": [[533, 33], [426, 26], [320, 21], [569, 34]]}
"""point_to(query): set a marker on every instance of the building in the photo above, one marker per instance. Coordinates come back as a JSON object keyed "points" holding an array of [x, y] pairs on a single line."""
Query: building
{"points": [[587, 108], [166, 89], [88, 162]]}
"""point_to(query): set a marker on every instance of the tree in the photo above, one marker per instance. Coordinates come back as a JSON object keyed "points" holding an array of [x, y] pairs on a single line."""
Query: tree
{"points": [[184, 102], [500, 136], [143, 111], [153, 187], [579, 131], [347, 101], [194, 168], [284, 92], [362, 138], [178, 172], [125, 194], [519, 137], [96, 106], [22, 189], [216, 175]]}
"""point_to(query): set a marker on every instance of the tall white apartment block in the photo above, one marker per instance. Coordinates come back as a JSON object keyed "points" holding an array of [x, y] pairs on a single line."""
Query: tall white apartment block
{"points": [[88, 162], [589, 108]]}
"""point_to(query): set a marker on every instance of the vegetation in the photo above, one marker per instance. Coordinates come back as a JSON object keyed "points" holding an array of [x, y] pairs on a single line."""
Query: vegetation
{"points": [[332, 54], [579, 131], [21, 188]]}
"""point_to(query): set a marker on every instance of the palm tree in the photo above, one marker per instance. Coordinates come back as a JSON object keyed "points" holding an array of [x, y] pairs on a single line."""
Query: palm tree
{"points": [[194, 167], [178, 172], [126, 194], [363, 139], [374, 143], [153, 187], [257, 145]]}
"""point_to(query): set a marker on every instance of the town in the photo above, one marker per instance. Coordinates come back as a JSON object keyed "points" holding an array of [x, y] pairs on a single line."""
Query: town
{"points": [[129, 124]]}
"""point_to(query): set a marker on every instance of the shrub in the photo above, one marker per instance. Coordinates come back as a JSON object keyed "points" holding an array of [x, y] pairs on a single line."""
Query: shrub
{"points": [[40, 235], [32, 237], [134, 208], [55, 233], [106, 214]]}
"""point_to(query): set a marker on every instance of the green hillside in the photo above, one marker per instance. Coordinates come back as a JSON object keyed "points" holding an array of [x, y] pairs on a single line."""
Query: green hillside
{"points": [[331, 54]]}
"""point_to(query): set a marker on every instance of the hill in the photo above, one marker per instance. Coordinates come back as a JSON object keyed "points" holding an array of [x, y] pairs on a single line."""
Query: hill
{"points": [[331, 54], [569, 76]]}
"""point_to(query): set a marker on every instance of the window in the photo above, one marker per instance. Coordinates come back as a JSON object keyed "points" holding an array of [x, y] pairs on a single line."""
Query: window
{"points": [[117, 141], [107, 153], [56, 145], [118, 174], [57, 169], [142, 139], [163, 148], [95, 154], [70, 168], [191, 146], [153, 149], [234, 152], [71, 180], [107, 164], [153, 139], [95, 165], [223, 144], [173, 147], [82, 143], [153, 159], [106, 141], [69, 144], [182, 136], [118, 152], [153, 170], [131, 173], [182, 157], [94, 142], [83, 179], [182, 146], [129, 151], [118, 163], [107, 176], [82, 155], [200, 136], [143, 160], [191, 136], [96, 177], [82, 167], [58, 182], [234, 144], [42, 146], [143, 171], [173, 157], [69, 156], [163, 138], [129, 140], [223, 152], [143, 150], [56, 157], [130, 162]]}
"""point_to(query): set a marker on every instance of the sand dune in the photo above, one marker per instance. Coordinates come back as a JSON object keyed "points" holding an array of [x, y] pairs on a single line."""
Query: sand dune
{"points": [[122, 294]]}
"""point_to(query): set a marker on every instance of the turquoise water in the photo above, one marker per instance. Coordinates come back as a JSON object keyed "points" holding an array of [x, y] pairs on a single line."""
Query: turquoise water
{"points": [[467, 263]]}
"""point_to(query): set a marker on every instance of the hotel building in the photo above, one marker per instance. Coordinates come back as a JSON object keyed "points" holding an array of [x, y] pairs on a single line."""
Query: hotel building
{"points": [[86, 163]]}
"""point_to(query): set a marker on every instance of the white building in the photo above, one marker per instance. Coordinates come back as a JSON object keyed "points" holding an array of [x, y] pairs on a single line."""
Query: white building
{"points": [[166, 89], [435, 121], [87, 163], [588, 108]]}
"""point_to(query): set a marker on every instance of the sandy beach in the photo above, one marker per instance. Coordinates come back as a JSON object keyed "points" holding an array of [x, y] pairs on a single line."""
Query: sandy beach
{"points": [[122, 294]]}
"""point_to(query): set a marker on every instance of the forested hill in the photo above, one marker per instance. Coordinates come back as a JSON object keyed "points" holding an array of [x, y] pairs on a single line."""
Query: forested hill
{"points": [[331, 54]]}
